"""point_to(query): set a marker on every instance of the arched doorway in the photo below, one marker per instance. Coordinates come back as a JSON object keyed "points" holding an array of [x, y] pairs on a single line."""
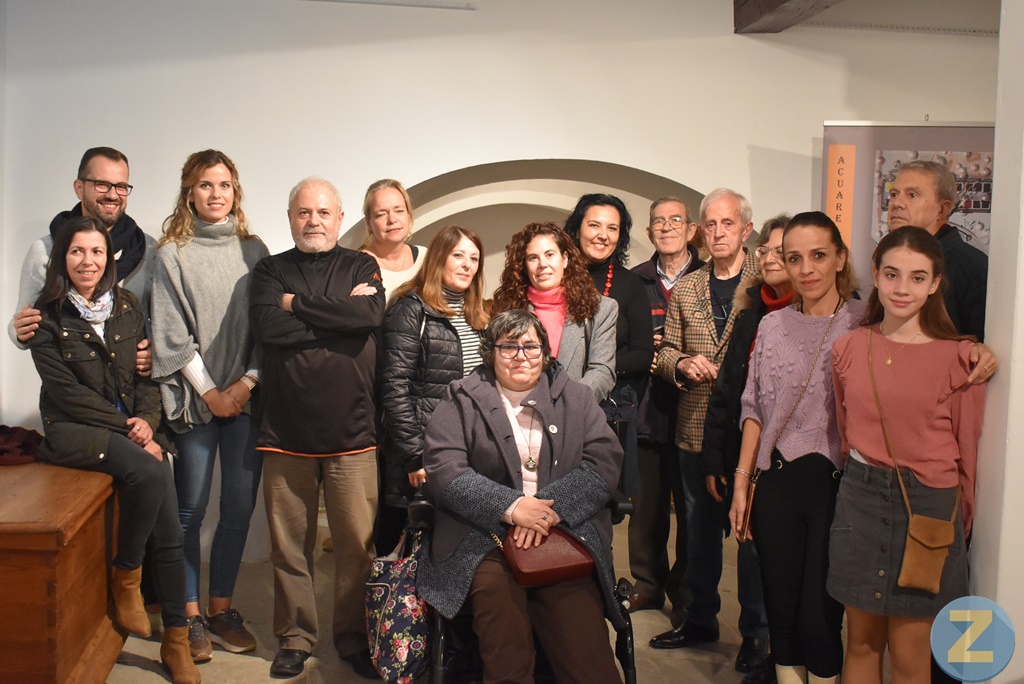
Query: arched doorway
{"points": [[495, 200]]}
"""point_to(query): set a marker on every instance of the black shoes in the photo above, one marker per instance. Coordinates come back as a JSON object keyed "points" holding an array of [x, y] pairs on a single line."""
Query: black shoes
{"points": [[687, 635], [361, 663], [638, 602], [289, 662], [752, 651], [763, 672]]}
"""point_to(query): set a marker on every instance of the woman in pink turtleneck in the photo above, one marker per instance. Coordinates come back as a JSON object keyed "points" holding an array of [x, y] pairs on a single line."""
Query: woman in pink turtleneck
{"points": [[545, 273]]}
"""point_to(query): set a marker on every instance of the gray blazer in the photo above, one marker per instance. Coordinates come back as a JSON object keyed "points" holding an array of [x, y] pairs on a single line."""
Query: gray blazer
{"points": [[598, 371]]}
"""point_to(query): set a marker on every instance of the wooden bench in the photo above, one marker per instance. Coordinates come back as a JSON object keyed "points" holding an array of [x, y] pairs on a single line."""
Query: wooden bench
{"points": [[56, 541]]}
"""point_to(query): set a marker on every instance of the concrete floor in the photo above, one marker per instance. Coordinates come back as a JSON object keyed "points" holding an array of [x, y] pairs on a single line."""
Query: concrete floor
{"points": [[140, 661]]}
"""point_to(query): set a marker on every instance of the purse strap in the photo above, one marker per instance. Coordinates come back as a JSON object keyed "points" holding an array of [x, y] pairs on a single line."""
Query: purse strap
{"points": [[792, 410], [885, 434]]}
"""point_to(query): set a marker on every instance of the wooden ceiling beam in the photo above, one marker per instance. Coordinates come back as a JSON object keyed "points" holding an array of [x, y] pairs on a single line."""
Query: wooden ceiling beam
{"points": [[774, 16]]}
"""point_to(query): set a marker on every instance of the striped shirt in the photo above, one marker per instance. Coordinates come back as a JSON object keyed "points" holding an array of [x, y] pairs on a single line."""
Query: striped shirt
{"points": [[469, 339]]}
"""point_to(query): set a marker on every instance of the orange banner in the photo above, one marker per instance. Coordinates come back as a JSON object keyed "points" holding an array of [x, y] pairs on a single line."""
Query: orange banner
{"points": [[839, 192]]}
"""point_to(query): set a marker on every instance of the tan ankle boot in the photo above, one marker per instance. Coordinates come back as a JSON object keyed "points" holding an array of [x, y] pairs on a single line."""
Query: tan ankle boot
{"points": [[791, 674], [815, 679], [130, 612], [177, 658]]}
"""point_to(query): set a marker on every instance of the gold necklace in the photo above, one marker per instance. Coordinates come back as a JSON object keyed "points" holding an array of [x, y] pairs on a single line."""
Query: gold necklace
{"points": [[888, 354]]}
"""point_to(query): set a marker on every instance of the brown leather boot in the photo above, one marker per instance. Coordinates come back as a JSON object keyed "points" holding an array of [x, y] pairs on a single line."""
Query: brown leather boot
{"points": [[177, 658], [130, 612]]}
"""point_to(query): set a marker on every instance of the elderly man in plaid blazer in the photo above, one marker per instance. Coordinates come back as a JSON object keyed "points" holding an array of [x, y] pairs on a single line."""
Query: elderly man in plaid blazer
{"points": [[697, 332]]}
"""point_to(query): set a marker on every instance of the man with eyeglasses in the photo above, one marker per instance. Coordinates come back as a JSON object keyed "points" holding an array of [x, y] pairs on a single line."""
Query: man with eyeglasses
{"points": [[670, 231], [698, 327], [102, 188]]}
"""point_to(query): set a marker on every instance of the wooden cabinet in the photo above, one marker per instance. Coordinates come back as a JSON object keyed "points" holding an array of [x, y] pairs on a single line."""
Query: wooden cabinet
{"points": [[56, 540]]}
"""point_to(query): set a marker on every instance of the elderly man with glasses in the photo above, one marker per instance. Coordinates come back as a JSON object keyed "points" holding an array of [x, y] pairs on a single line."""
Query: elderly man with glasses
{"points": [[670, 231], [102, 188]]}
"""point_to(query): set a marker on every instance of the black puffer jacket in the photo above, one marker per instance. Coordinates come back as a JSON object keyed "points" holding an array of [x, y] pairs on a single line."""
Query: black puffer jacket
{"points": [[421, 356]]}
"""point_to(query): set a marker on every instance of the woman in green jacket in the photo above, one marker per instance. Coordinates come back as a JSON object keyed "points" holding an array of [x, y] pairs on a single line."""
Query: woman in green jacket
{"points": [[99, 415]]}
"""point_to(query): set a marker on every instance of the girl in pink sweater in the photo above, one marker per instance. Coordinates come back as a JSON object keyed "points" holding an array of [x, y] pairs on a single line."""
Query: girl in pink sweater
{"points": [[933, 419]]}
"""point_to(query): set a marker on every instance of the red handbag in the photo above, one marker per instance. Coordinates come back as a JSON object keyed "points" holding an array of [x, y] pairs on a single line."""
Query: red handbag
{"points": [[559, 558]]}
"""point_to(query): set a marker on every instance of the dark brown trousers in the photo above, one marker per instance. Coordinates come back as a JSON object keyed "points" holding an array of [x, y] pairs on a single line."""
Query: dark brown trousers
{"points": [[567, 618]]}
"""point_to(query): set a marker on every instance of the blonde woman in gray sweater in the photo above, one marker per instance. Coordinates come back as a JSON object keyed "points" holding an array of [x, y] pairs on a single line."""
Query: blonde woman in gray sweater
{"points": [[207, 365]]}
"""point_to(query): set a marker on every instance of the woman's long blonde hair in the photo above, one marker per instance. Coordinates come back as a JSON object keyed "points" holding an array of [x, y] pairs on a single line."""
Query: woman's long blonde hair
{"points": [[179, 227]]}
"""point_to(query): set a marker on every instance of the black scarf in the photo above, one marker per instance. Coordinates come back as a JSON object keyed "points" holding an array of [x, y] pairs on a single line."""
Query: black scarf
{"points": [[129, 240]]}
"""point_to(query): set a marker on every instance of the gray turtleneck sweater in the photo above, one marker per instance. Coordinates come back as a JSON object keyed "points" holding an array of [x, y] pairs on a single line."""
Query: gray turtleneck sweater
{"points": [[200, 305]]}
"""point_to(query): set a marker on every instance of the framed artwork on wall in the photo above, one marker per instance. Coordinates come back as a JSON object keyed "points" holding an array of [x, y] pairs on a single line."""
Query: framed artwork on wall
{"points": [[861, 159]]}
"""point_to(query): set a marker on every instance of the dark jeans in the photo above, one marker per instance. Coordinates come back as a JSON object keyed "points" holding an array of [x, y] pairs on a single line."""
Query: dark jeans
{"points": [[650, 525], [148, 510], [792, 515], [705, 529]]}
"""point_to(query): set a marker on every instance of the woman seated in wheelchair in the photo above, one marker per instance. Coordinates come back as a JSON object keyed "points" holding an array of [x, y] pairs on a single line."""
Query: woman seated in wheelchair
{"points": [[518, 455]]}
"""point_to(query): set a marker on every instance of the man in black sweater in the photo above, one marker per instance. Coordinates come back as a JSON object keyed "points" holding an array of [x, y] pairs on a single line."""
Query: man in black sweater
{"points": [[315, 309]]}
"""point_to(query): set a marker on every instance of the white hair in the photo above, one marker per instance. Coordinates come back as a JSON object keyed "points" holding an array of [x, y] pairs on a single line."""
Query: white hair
{"points": [[314, 180], [746, 212]]}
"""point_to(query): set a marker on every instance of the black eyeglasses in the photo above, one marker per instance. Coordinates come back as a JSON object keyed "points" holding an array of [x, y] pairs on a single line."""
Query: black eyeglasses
{"points": [[103, 187], [511, 351]]}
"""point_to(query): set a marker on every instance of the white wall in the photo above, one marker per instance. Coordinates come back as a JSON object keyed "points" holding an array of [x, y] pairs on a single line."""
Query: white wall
{"points": [[997, 571], [5, 273], [292, 87]]}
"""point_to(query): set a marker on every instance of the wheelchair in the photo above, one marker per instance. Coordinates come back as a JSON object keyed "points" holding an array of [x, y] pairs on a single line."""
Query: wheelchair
{"points": [[454, 654]]}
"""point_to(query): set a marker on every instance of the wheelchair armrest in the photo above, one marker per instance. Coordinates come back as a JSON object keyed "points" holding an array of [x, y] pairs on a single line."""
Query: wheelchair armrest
{"points": [[620, 506], [420, 511]]}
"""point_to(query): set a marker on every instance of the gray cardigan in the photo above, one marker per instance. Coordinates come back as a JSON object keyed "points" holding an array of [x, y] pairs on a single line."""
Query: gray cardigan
{"points": [[595, 369], [474, 474]]}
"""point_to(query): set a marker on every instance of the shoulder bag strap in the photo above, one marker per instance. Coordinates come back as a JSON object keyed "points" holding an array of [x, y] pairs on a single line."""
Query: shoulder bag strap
{"points": [[588, 330], [807, 382], [885, 435]]}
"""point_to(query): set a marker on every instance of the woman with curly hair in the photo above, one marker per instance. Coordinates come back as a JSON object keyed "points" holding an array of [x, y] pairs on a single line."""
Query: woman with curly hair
{"points": [[545, 273], [200, 290]]}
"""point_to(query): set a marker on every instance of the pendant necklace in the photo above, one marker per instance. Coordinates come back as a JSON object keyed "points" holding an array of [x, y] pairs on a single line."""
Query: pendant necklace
{"points": [[889, 355], [531, 462], [608, 282]]}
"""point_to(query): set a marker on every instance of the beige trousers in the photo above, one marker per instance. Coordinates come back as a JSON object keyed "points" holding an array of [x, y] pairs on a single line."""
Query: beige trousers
{"points": [[291, 489]]}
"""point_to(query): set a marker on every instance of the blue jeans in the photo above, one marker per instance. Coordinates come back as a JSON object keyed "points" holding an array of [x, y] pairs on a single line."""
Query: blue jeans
{"points": [[240, 468], [705, 529]]}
